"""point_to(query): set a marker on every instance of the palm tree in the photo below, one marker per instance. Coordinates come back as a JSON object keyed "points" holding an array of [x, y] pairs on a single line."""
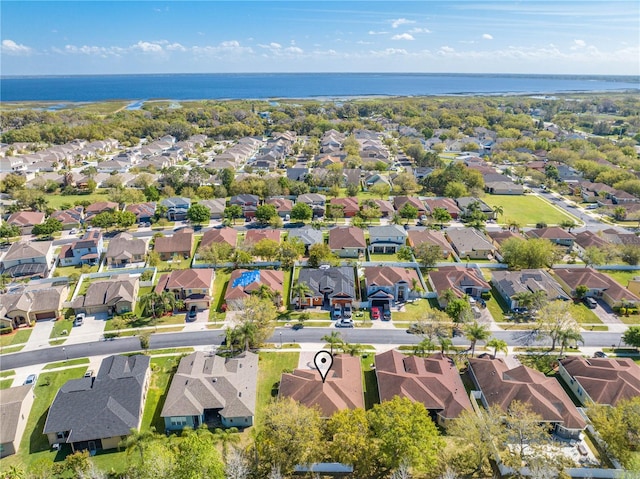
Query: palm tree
{"points": [[300, 290], [332, 339], [246, 333], [475, 332], [4, 281], [226, 437], [149, 303], [498, 210], [568, 337], [445, 344], [498, 345], [168, 301], [138, 440], [423, 347]]}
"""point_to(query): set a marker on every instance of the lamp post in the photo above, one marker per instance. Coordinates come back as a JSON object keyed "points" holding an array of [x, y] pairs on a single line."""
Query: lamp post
{"points": [[280, 339], [66, 357]]}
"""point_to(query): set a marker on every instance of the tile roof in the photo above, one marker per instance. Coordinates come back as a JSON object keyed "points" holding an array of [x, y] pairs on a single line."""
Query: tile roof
{"points": [[389, 275], [222, 235], [272, 278], [594, 280], [434, 382], [205, 381], [457, 278], [341, 390], [349, 204], [551, 233], [186, 279], [545, 396], [606, 381], [253, 236]]}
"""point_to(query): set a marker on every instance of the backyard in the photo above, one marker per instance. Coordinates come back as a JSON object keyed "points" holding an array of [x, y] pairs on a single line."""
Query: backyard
{"points": [[527, 210], [56, 201], [162, 369], [272, 365]]}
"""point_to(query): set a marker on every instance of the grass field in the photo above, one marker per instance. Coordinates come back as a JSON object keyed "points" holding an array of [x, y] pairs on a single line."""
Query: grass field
{"points": [[369, 381], [56, 201], [6, 383], [622, 277], [271, 367], [17, 337], [162, 369], [219, 287], [412, 311], [66, 364], [61, 329], [527, 210]]}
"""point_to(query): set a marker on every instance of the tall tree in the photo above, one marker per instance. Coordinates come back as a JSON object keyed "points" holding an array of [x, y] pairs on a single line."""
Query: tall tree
{"points": [[476, 332], [554, 320], [333, 339], [198, 214], [497, 345], [299, 291]]}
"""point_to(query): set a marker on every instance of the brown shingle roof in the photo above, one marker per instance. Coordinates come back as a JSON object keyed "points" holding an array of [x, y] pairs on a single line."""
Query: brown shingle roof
{"points": [[271, 278], [389, 275], [254, 236], [545, 396], [180, 242], [223, 235], [346, 237], [434, 382], [26, 218], [350, 204], [594, 280], [456, 278], [606, 381], [342, 388], [186, 279], [417, 237]]}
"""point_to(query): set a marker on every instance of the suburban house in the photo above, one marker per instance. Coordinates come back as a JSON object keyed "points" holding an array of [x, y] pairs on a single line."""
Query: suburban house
{"points": [[586, 239], [99, 207], [216, 207], [125, 250], [347, 241], [179, 244], [15, 406], [388, 285], [99, 412], [462, 281], [510, 283], [283, 206], [386, 238], [349, 205], [144, 212], [329, 286], [86, 250], [600, 286], [221, 235], [400, 201], [500, 386], [316, 201], [503, 188], [445, 203], [499, 237], [417, 237], [193, 286], [384, 206], [554, 234], [71, 218], [212, 390], [308, 237], [471, 243], [33, 303], [433, 381], [342, 388], [177, 207], [248, 203], [467, 203], [113, 296], [243, 283], [601, 380], [28, 258], [26, 220], [255, 236]]}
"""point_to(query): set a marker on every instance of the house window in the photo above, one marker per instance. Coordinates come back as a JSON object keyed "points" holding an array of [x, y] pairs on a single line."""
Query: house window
{"points": [[179, 421], [60, 435]]}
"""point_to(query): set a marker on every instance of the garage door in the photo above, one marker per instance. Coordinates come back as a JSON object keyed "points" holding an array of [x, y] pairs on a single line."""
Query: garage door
{"points": [[47, 315]]}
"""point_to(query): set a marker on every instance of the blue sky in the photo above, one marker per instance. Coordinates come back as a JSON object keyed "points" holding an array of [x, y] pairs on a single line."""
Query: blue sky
{"points": [[529, 36]]}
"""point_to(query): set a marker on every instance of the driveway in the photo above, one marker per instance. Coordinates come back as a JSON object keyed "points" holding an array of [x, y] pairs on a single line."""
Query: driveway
{"points": [[40, 335], [91, 330], [608, 317]]}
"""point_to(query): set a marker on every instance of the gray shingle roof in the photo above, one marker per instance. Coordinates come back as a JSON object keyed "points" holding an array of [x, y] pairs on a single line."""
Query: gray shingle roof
{"points": [[105, 406], [331, 280]]}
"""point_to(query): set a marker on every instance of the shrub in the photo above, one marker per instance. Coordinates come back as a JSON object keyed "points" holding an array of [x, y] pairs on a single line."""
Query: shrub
{"points": [[6, 330]]}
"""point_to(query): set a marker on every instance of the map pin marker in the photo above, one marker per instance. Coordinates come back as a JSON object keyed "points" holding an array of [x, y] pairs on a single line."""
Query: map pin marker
{"points": [[323, 360]]}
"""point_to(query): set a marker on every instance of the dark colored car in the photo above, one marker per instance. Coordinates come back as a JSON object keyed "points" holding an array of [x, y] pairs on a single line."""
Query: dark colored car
{"points": [[591, 303], [386, 313], [193, 313]]}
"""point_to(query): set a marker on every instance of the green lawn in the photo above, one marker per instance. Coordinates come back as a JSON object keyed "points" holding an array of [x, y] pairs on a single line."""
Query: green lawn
{"points": [[584, 315], [61, 329], [65, 364], [527, 210], [496, 305], [269, 371], [622, 277], [412, 311], [6, 374], [162, 369], [219, 287], [17, 337], [384, 257], [286, 288], [56, 201], [369, 381], [34, 445], [6, 383], [65, 271]]}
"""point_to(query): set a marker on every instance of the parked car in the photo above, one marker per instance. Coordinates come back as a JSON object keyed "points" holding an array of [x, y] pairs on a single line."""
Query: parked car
{"points": [[89, 373], [31, 379], [386, 312], [590, 302], [600, 354], [375, 312], [417, 328], [346, 311], [336, 313], [344, 323], [192, 314], [79, 319]]}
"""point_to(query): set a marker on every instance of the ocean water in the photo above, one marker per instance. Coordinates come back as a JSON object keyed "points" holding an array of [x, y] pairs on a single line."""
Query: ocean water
{"points": [[304, 85]]}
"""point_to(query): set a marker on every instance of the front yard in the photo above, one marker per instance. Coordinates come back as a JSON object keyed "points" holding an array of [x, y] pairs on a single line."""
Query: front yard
{"points": [[19, 336], [412, 311], [527, 210]]}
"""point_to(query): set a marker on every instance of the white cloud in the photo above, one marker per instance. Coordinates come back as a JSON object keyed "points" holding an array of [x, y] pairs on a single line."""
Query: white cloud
{"points": [[403, 36], [401, 21], [487, 36], [176, 47], [294, 50], [362, 42], [419, 30], [12, 48], [230, 44], [446, 50], [580, 43], [388, 52], [147, 47], [371, 32]]}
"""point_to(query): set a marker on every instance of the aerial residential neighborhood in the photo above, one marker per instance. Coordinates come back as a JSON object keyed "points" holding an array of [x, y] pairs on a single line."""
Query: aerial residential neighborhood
{"points": [[463, 274]]}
